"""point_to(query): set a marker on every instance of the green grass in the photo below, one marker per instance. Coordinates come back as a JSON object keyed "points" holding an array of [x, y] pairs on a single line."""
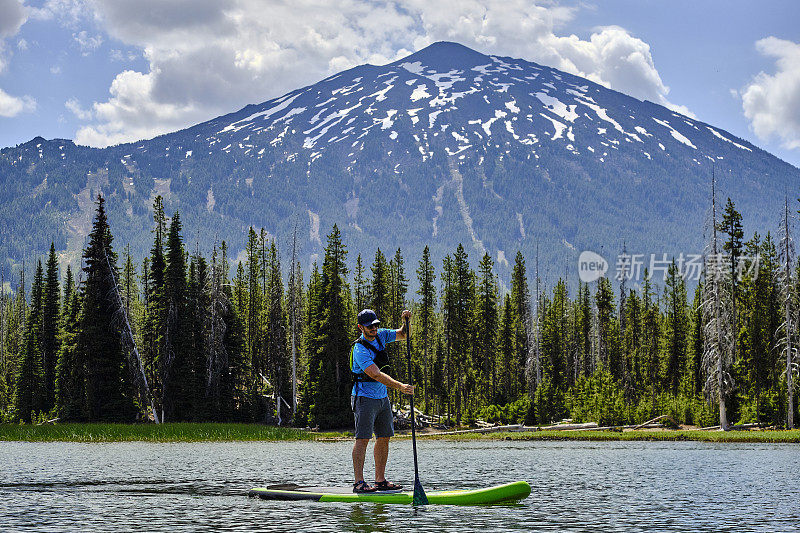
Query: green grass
{"points": [[212, 432], [178, 432], [792, 436]]}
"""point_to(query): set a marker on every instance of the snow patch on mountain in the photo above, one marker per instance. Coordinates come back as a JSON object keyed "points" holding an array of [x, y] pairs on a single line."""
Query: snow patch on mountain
{"points": [[676, 134]]}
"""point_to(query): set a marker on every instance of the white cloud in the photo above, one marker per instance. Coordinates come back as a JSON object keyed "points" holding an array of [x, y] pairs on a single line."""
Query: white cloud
{"points": [[22, 44], [87, 43], [128, 114], [11, 106], [69, 13], [209, 57], [771, 102], [75, 107], [12, 16]]}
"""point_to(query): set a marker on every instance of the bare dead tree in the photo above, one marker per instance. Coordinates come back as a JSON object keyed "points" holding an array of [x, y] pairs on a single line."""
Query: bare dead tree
{"points": [[717, 307], [293, 316], [532, 324], [216, 355], [786, 331], [135, 366]]}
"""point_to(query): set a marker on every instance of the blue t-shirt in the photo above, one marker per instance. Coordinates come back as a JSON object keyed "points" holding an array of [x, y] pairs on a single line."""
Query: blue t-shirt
{"points": [[363, 357]]}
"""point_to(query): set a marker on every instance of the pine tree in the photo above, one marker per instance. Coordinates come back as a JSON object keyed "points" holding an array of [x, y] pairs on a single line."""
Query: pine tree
{"points": [[426, 278], [70, 375], [487, 324], [606, 347], [154, 332], [523, 323], [30, 393], [176, 368], [254, 305], [696, 343], [361, 287], [328, 364], [379, 296], [509, 370], [461, 326], [313, 316], [398, 289], [109, 393], [676, 330], [275, 338], [49, 340], [195, 374]]}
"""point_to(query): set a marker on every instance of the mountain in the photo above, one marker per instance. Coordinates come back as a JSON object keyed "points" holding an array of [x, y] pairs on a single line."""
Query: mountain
{"points": [[447, 145]]}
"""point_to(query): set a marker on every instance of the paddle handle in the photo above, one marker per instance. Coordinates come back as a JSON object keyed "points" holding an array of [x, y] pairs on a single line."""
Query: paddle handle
{"points": [[411, 382]]}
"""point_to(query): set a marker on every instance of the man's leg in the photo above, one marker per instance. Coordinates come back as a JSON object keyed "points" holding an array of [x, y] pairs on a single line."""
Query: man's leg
{"points": [[359, 453], [381, 453]]}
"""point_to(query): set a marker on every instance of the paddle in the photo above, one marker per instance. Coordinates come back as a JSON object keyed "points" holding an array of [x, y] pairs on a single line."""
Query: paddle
{"points": [[419, 493]]}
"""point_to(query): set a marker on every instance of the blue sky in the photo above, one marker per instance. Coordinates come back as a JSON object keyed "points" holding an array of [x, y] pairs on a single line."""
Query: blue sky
{"points": [[108, 71]]}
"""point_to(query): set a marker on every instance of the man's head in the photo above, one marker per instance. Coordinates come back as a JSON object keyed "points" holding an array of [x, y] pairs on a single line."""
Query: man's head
{"points": [[368, 323]]}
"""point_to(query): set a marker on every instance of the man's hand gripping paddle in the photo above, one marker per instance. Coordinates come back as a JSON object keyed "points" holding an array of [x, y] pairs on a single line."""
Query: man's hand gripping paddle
{"points": [[419, 493]]}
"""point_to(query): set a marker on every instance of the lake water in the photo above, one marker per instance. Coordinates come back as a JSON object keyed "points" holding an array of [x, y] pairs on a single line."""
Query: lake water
{"points": [[577, 486]]}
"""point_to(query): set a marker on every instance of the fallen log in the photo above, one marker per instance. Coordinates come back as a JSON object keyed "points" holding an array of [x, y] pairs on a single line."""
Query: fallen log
{"points": [[564, 427], [492, 429], [744, 427], [651, 421]]}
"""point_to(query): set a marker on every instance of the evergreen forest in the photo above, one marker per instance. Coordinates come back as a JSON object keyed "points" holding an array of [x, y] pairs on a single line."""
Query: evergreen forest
{"points": [[179, 336]]}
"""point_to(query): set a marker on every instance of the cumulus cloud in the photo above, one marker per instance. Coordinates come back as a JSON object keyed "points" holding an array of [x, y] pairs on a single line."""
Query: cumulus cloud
{"points": [[11, 106], [771, 102], [209, 57], [128, 114], [12, 16]]}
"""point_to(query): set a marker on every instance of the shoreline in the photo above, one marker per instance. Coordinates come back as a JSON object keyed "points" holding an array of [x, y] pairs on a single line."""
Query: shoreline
{"points": [[233, 432]]}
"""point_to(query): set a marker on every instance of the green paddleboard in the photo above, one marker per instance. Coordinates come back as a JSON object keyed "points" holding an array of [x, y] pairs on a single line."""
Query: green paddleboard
{"points": [[509, 492]]}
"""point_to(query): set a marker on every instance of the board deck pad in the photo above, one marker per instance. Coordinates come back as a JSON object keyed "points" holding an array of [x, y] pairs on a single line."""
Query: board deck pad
{"points": [[508, 492]]}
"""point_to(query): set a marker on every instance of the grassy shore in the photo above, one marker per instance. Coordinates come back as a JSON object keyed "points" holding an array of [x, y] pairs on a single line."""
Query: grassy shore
{"points": [[211, 432], [642, 435], [177, 432]]}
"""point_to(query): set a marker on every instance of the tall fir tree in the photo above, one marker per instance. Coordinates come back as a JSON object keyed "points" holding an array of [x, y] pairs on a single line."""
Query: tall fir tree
{"points": [[70, 376], [109, 392], [361, 286], [176, 368], [30, 393], [487, 323], [328, 364], [426, 278], [676, 330], [275, 338], [381, 284], [50, 316], [522, 323]]}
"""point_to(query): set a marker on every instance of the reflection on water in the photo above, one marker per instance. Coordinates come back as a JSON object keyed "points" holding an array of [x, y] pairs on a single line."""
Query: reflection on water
{"points": [[576, 487], [367, 518]]}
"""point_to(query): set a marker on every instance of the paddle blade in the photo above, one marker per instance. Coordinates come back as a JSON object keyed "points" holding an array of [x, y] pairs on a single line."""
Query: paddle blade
{"points": [[419, 494]]}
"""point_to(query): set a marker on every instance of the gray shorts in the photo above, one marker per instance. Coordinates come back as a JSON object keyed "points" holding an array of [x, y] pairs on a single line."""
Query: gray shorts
{"points": [[372, 415]]}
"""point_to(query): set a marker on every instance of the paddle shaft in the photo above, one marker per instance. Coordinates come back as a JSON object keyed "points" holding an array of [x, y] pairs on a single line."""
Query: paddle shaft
{"points": [[413, 422]]}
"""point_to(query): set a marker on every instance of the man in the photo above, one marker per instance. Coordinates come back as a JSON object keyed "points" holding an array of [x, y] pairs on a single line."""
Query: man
{"points": [[370, 399]]}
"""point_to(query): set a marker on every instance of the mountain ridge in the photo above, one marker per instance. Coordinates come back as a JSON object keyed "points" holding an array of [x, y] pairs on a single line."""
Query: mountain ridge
{"points": [[499, 153]]}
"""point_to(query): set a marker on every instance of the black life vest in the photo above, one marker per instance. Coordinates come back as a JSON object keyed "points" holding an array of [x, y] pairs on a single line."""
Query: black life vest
{"points": [[381, 359]]}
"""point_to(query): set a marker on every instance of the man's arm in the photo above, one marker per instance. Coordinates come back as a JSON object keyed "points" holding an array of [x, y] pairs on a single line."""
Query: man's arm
{"points": [[375, 373]]}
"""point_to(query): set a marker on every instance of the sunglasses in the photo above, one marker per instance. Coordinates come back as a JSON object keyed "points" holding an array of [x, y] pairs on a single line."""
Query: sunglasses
{"points": [[374, 326]]}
